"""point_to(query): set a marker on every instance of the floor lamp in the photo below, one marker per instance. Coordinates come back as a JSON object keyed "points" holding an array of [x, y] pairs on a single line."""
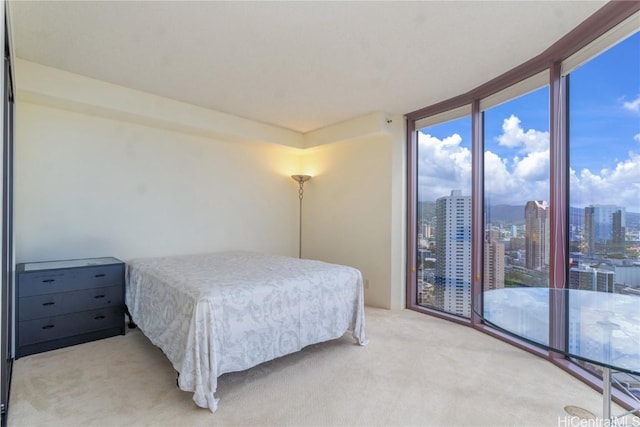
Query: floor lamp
{"points": [[300, 179]]}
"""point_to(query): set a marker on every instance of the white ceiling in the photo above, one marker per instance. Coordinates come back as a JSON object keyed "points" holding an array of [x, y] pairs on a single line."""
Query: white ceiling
{"points": [[298, 65]]}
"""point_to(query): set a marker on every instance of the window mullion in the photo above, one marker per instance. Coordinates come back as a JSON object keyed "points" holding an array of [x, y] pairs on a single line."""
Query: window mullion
{"points": [[559, 208], [477, 210]]}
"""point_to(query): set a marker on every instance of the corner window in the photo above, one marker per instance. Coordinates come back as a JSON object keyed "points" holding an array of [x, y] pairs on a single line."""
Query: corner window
{"points": [[526, 208]]}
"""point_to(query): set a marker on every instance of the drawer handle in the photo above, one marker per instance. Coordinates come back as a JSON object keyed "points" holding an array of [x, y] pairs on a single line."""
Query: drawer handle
{"points": [[99, 275], [48, 326], [48, 280], [99, 296], [98, 318], [48, 303]]}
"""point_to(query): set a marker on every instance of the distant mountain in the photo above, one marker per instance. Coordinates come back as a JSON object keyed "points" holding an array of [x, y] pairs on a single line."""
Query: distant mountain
{"points": [[514, 214], [505, 213], [499, 213]]}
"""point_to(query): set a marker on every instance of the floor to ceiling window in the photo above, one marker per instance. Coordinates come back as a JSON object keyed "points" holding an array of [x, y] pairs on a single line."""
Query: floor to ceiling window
{"points": [[444, 216], [529, 185], [516, 201], [604, 190]]}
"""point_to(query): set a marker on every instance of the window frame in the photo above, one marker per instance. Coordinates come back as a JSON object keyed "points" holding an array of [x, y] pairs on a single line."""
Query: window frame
{"points": [[588, 33]]}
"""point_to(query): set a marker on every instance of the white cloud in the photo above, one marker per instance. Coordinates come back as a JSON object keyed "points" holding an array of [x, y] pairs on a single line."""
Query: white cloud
{"points": [[523, 172], [497, 177], [514, 136], [534, 167], [636, 137], [526, 176], [443, 165], [633, 105], [618, 186]]}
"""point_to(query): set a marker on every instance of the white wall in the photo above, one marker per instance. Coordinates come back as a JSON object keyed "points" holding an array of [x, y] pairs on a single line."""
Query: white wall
{"points": [[350, 208], [87, 186], [103, 170]]}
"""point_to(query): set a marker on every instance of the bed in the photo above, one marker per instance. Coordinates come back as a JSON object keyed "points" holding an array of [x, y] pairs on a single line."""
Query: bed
{"points": [[225, 312]]}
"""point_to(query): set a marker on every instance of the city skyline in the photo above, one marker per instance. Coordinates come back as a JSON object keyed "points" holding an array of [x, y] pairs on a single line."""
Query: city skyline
{"points": [[516, 256]]}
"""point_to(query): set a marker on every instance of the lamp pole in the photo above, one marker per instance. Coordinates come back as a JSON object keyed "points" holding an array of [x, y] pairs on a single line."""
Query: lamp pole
{"points": [[300, 179]]}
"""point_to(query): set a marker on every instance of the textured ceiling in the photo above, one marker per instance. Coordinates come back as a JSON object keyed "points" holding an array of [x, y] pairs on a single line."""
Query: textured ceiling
{"points": [[298, 65]]}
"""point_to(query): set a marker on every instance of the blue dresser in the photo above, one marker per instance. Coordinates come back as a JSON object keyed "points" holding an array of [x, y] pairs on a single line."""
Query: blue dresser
{"points": [[63, 303]]}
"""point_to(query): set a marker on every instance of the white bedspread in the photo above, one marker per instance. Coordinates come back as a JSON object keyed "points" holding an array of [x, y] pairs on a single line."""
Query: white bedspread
{"points": [[224, 312]]}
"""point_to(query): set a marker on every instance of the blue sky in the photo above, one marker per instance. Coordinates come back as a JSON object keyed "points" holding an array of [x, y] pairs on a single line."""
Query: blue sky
{"points": [[604, 140], [600, 123]]}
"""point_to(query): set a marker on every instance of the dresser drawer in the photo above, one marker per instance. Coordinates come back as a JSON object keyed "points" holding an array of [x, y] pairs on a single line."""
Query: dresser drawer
{"points": [[49, 305], [53, 281], [52, 328]]}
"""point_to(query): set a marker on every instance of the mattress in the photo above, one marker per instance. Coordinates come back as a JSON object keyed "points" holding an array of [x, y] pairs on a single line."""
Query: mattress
{"points": [[224, 312]]}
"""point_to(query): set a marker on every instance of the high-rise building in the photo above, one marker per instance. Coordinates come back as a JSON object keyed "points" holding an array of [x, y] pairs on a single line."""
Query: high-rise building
{"points": [[491, 235], [493, 262], [604, 229], [452, 290], [591, 279], [516, 243], [536, 239], [618, 231], [588, 232]]}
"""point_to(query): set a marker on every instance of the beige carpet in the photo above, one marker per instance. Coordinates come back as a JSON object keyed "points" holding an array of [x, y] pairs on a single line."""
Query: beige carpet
{"points": [[417, 370]]}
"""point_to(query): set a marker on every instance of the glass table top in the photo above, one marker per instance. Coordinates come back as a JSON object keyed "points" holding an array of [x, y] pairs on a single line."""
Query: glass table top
{"points": [[603, 327]]}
